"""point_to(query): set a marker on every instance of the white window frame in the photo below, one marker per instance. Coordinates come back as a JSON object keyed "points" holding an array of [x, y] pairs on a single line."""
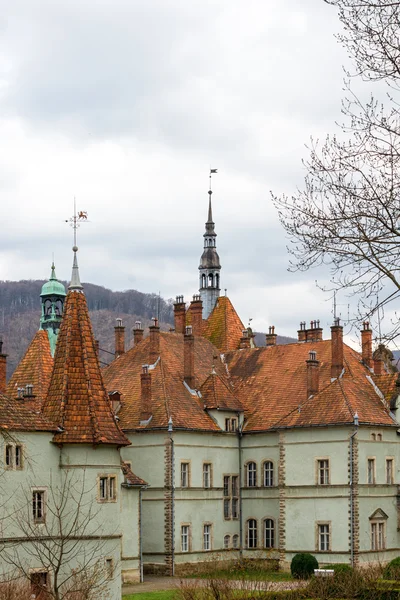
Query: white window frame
{"points": [[252, 533], [271, 531], [235, 541], [389, 466], [251, 474], [378, 535], [268, 473], [39, 498], [324, 537], [185, 474], [10, 456], [207, 475], [207, 536], [323, 467], [227, 541], [371, 470], [185, 537]]}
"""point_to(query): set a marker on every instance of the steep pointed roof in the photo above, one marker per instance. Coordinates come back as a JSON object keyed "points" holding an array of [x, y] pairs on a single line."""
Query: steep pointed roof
{"points": [[223, 327], [77, 401], [34, 369], [217, 393]]}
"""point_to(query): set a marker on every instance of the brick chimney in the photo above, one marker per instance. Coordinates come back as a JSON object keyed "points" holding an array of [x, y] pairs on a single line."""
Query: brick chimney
{"points": [[137, 333], [154, 341], [119, 338], [314, 333], [180, 315], [336, 348], [245, 340], [301, 333], [312, 374], [270, 337], [196, 308], [188, 357], [366, 344], [145, 394], [379, 368], [3, 369]]}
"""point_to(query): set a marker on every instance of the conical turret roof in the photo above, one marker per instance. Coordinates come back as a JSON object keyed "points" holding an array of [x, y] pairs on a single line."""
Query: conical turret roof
{"points": [[77, 402]]}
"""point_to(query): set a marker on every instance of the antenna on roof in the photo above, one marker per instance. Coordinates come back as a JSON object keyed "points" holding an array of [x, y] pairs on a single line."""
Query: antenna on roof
{"points": [[334, 305]]}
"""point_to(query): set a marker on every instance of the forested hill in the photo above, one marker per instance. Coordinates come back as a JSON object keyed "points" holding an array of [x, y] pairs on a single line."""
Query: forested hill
{"points": [[20, 316]]}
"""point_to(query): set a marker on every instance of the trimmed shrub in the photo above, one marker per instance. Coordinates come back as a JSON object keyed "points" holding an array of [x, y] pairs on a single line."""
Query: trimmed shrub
{"points": [[303, 565], [392, 570]]}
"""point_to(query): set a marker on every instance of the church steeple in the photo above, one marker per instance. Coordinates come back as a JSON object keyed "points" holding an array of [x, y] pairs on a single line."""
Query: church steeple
{"points": [[52, 299], [209, 263]]}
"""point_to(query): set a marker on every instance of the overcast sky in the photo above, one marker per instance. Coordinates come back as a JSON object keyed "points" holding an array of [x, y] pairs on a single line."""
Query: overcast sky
{"points": [[126, 104]]}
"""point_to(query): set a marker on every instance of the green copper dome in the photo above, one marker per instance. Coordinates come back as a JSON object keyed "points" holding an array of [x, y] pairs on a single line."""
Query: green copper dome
{"points": [[53, 287]]}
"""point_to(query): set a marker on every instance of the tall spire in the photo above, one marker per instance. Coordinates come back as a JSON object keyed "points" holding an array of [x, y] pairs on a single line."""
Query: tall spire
{"points": [[52, 298], [209, 263], [75, 279]]}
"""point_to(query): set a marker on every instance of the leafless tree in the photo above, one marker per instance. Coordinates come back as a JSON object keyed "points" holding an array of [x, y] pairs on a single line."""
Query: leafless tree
{"points": [[62, 538], [347, 215]]}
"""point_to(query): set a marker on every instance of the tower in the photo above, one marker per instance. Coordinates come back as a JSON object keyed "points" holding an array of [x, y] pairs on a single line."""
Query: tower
{"points": [[209, 264], [52, 298]]}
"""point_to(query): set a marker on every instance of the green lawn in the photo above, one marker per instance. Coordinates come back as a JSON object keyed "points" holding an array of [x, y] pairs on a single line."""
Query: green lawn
{"points": [[163, 595]]}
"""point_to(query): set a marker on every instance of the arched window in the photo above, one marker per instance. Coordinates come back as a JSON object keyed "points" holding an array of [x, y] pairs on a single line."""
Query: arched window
{"points": [[235, 541], [269, 533], [203, 281], [211, 280], [227, 541], [251, 474], [268, 473], [252, 533], [217, 280]]}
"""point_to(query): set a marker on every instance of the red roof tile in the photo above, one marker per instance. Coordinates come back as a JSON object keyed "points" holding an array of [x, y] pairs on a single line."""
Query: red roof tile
{"points": [[272, 385], [218, 393], [170, 396], [223, 328], [130, 478], [34, 369], [16, 416], [77, 401]]}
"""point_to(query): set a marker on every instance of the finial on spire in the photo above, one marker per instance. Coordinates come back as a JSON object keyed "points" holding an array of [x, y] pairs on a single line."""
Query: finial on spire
{"points": [[74, 222]]}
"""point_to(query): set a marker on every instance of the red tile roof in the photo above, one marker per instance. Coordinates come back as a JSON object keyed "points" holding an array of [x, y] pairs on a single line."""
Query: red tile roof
{"points": [[34, 369], [219, 393], [130, 478], [16, 416], [77, 401], [272, 385], [223, 328], [170, 396]]}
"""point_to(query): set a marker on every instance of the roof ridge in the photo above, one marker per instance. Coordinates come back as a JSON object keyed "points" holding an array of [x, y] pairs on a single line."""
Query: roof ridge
{"points": [[92, 410]]}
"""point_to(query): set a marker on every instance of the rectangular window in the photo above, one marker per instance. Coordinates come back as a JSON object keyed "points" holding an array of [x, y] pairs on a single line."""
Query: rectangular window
{"points": [[9, 456], [185, 538], [38, 507], [39, 584], [252, 533], [227, 485], [323, 537], [109, 568], [378, 538], [323, 471], [389, 471], [184, 474], [18, 457], [206, 475], [231, 425], [207, 537], [371, 471], [231, 496], [107, 488]]}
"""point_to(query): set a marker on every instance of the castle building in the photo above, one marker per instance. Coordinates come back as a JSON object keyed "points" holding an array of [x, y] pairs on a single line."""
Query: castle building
{"points": [[246, 451]]}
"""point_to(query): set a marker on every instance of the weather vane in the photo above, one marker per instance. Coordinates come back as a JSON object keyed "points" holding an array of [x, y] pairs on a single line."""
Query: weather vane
{"points": [[212, 172], [76, 219]]}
